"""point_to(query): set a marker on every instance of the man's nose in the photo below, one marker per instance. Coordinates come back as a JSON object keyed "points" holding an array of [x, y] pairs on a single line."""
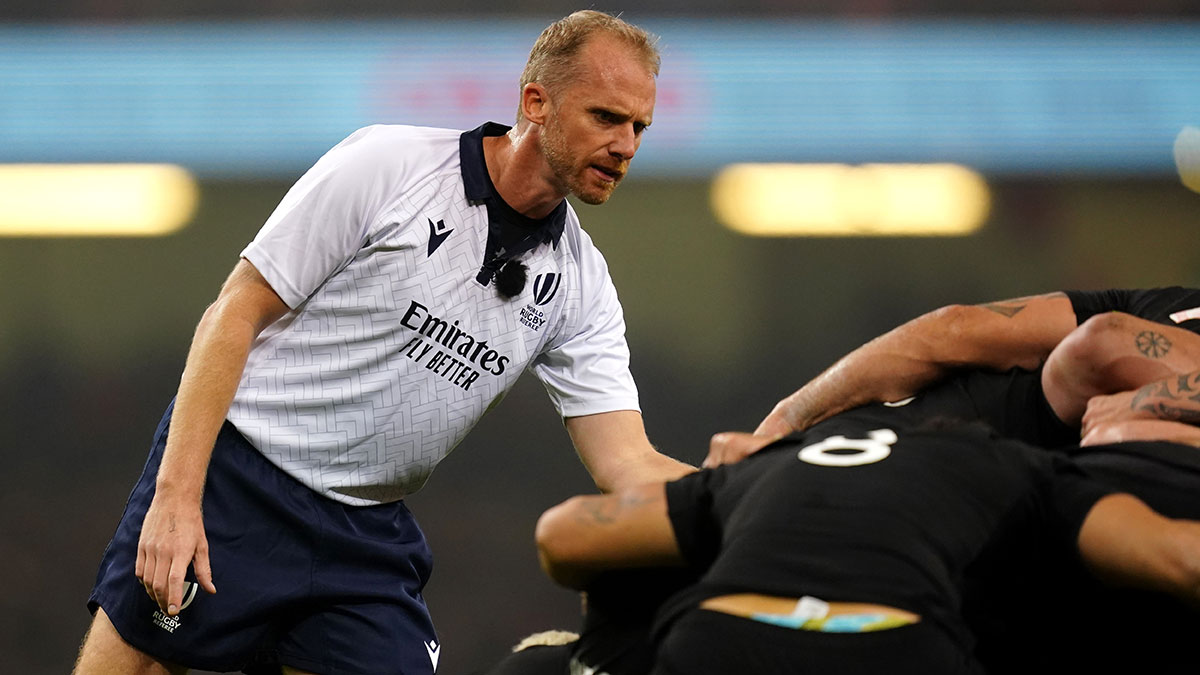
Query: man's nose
{"points": [[625, 143]]}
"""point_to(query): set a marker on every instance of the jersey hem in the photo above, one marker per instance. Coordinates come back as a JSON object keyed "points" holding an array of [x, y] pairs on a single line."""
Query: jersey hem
{"points": [[596, 407]]}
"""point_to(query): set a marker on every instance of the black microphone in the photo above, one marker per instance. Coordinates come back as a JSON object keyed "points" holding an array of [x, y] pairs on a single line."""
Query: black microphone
{"points": [[510, 280]]}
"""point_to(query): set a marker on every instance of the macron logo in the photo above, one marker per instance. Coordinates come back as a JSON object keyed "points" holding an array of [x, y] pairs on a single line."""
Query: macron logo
{"points": [[434, 650], [437, 234]]}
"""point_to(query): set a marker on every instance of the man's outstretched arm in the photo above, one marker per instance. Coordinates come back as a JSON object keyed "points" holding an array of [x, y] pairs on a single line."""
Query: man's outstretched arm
{"points": [[617, 453], [1000, 335]]}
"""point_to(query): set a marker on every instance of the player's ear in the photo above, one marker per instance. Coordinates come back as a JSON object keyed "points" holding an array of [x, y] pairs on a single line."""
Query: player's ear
{"points": [[535, 102]]}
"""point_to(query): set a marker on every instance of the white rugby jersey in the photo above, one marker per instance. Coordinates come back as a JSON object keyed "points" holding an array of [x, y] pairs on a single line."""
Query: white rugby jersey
{"points": [[393, 349]]}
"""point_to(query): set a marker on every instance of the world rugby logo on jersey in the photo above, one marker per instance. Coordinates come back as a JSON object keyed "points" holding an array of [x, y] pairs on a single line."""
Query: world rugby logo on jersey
{"points": [[545, 286], [171, 623]]}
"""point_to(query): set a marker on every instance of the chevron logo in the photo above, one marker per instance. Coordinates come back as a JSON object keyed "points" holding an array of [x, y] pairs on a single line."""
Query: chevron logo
{"points": [[437, 234]]}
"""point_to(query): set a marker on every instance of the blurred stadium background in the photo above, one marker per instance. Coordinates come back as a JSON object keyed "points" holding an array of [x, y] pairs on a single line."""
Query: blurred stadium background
{"points": [[1068, 110]]}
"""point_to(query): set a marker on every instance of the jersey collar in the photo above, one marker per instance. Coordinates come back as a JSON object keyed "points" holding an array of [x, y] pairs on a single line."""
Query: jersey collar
{"points": [[480, 190]]}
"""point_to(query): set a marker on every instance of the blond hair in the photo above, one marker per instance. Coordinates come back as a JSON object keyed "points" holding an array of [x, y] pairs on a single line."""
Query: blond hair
{"points": [[552, 61]]}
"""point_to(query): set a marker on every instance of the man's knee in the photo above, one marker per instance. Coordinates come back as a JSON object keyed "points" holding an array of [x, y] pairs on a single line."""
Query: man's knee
{"points": [[105, 652]]}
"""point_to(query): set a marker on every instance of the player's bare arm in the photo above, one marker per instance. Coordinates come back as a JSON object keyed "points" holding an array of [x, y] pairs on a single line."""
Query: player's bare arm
{"points": [[1125, 542], [173, 530], [1013, 333], [1110, 353], [617, 453], [588, 534]]}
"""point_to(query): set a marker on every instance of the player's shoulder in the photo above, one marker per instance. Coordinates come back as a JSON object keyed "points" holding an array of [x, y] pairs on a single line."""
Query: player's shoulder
{"points": [[399, 145], [577, 244], [383, 134]]}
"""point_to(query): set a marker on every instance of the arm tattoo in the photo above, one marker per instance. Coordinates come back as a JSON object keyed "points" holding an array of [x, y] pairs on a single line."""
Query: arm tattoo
{"points": [[1008, 309], [1170, 403], [172, 518], [607, 511], [1175, 413], [1011, 308], [1153, 345]]}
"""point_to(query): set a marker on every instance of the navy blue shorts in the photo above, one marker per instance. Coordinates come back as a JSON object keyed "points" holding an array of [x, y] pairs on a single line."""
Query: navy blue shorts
{"points": [[301, 580]]}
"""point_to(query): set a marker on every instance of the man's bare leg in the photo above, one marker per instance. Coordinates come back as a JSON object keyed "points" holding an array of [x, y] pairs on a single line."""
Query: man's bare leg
{"points": [[104, 652]]}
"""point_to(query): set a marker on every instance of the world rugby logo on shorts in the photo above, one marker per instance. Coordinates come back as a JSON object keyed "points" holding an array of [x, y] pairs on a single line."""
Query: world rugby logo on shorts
{"points": [[170, 623], [545, 286]]}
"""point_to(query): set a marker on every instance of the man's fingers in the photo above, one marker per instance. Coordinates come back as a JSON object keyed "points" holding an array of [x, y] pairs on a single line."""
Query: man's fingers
{"points": [[145, 572], [140, 566], [175, 585], [161, 582], [203, 569], [716, 450], [733, 446]]}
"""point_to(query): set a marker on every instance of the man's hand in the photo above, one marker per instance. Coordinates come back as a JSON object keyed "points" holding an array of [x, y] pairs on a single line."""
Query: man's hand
{"points": [[172, 538], [730, 447], [1111, 409], [1174, 399]]}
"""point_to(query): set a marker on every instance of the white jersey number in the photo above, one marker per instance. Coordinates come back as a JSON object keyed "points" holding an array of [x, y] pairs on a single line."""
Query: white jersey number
{"points": [[833, 451]]}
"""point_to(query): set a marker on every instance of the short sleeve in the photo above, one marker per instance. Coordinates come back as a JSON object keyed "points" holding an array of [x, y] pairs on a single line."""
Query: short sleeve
{"points": [[586, 370], [690, 508], [1071, 496], [1153, 304], [323, 220], [1090, 303]]}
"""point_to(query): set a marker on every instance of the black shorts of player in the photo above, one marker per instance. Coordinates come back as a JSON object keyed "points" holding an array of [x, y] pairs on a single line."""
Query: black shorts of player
{"points": [[703, 642], [301, 580]]}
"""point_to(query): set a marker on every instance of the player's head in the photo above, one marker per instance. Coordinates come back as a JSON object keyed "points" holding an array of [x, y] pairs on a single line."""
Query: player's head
{"points": [[553, 60], [590, 86]]}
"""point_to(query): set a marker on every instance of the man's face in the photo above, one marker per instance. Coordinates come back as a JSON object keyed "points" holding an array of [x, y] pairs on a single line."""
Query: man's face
{"points": [[595, 123]]}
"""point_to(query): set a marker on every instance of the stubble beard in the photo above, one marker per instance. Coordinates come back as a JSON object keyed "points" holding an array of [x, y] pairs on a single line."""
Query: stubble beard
{"points": [[566, 170]]}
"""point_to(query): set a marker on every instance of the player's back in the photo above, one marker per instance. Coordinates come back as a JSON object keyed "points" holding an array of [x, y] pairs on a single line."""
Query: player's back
{"points": [[856, 512]]}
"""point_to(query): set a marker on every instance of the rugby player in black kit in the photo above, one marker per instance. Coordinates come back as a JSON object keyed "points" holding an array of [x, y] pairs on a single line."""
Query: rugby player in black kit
{"points": [[844, 549], [1120, 342]]}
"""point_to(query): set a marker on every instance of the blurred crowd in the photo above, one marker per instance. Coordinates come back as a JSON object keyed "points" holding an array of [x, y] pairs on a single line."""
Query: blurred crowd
{"points": [[120, 10]]}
